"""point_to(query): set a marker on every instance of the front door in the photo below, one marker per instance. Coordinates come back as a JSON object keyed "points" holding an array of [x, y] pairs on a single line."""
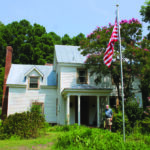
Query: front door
{"points": [[84, 110]]}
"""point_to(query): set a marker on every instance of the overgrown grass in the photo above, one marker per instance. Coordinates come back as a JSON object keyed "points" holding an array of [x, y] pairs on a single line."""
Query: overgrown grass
{"points": [[78, 137], [81, 137]]}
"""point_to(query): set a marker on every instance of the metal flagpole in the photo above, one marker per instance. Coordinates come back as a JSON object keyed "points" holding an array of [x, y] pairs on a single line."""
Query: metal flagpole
{"points": [[122, 89]]}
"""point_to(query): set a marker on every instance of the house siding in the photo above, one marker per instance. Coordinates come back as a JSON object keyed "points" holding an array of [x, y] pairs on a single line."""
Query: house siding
{"points": [[21, 99]]}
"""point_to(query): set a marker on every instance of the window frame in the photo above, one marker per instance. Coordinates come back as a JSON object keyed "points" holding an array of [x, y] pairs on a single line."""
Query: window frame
{"points": [[37, 83], [86, 76]]}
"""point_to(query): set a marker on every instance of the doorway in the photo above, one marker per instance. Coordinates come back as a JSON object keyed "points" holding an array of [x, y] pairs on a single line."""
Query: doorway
{"points": [[84, 110]]}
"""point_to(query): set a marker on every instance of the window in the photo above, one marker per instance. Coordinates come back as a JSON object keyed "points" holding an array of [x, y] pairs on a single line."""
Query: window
{"points": [[82, 76], [34, 83]]}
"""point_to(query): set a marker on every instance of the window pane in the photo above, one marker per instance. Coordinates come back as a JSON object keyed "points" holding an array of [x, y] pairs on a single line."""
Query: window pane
{"points": [[82, 73], [82, 76], [33, 82], [82, 79], [33, 85]]}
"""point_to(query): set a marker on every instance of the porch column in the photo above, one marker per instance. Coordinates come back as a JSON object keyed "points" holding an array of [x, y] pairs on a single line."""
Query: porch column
{"points": [[78, 109], [68, 110], [98, 115]]}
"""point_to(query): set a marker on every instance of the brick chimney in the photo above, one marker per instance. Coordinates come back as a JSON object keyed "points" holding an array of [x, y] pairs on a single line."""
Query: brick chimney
{"points": [[9, 51]]}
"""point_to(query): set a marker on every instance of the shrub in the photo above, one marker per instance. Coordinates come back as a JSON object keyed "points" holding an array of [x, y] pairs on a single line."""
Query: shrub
{"points": [[133, 111], [117, 125], [24, 125]]}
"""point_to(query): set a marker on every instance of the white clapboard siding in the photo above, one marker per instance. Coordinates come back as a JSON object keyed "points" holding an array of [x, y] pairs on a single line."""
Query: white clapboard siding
{"points": [[68, 77], [21, 99]]}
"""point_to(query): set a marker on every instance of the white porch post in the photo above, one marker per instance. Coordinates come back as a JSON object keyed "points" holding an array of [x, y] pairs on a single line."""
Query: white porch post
{"points": [[68, 110], [98, 115], [78, 109]]}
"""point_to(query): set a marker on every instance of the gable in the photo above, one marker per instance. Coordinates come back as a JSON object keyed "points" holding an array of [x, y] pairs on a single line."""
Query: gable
{"points": [[34, 72]]}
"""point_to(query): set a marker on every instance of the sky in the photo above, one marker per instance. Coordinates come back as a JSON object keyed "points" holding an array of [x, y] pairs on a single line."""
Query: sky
{"points": [[70, 16]]}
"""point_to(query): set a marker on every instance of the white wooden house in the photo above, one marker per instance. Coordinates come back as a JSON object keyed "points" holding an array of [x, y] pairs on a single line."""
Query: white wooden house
{"points": [[64, 90]]}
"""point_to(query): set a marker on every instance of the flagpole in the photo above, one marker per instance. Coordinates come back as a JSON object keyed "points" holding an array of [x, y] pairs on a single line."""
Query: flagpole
{"points": [[122, 89]]}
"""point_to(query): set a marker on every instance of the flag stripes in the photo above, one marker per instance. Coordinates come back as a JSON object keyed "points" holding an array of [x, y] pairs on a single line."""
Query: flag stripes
{"points": [[110, 48]]}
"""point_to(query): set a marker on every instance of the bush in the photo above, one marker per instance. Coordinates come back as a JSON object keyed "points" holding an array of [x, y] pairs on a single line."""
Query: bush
{"points": [[133, 111], [24, 125], [117, 125]]}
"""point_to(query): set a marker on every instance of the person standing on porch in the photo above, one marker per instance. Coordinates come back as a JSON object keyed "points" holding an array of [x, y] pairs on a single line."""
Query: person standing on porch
{"points": [[109, 115]]}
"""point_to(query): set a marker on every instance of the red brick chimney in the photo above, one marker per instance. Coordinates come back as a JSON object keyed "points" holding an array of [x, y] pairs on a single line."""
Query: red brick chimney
{"points": [[9, 51]]}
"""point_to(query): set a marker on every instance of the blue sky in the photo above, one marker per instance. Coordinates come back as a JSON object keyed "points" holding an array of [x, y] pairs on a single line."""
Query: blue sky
{"points": [[69, 16]]}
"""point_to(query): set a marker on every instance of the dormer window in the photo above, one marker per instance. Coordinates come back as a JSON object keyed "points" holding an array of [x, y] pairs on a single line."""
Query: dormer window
{"points": [[82, 76], [34, 83]]}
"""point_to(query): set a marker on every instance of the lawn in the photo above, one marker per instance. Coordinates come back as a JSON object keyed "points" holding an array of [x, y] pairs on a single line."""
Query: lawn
{"points": [[44, 142], [75, 137]]}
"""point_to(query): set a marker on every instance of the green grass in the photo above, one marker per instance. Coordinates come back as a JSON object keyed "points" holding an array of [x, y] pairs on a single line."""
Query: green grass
{"points": [[42, 143], [78, 137]]}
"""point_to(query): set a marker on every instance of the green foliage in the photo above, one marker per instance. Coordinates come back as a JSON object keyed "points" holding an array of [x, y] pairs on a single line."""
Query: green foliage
{"points": [[56, 38], [117, 125], [95, 139], [145, 125], [24, 125], [132, 110], [64, 128], [0, 112], [26, 40], [66, 40], [145, 12]]}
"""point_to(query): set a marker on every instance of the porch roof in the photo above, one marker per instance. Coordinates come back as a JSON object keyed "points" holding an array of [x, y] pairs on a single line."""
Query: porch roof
{"points": [[86, 90]]}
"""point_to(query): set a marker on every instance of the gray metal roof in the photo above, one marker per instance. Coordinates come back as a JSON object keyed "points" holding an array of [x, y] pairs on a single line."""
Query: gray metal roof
{"points": [[69, 54], [17, 74], [87, 87]]}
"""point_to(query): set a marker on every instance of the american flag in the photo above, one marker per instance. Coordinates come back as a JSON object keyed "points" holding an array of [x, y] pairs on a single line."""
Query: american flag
{"points": [[110, 48]]}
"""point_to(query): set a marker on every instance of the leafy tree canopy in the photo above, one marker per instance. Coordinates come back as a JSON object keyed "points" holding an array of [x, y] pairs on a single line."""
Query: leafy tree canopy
{"points": [[145, 12]]}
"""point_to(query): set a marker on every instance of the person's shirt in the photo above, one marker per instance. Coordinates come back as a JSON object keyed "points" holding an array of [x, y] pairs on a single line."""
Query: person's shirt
{"points": [[108, 113]]}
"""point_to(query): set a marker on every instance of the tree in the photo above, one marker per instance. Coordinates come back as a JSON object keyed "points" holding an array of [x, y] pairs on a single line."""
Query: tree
{"points": [[56, 38], [145, 69], [27, 40], [66, 40], [95, 45], [145, 12], [77, 39]]}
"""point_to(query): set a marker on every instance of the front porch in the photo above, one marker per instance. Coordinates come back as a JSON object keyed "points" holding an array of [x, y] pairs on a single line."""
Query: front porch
{"points": [[85, 106]]}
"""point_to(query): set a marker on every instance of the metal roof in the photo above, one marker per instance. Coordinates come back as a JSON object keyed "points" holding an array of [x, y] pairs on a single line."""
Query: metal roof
{"points": [[17, 74], [87, 87], [69, 54]]}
